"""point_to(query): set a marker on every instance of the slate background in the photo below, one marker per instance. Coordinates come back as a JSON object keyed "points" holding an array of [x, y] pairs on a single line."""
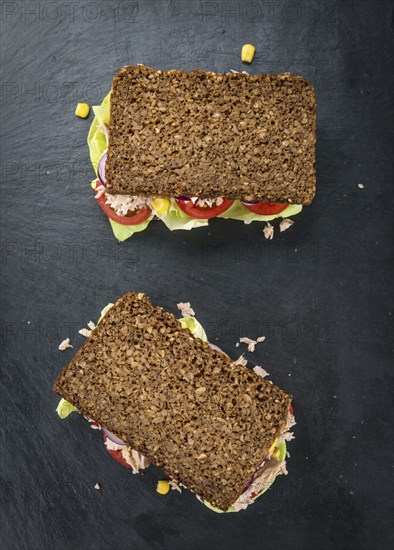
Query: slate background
{"points": [[320, 292]]}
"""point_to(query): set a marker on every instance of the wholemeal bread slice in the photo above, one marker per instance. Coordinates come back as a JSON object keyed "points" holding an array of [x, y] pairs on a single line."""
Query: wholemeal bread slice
{"points": [[204, 134], [176, 400]]}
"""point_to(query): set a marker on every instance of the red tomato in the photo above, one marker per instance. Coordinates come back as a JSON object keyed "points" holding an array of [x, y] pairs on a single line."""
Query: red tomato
{"points": [[117, 455], [203, 212], [134, 218], [265, 208], [291, 410]]}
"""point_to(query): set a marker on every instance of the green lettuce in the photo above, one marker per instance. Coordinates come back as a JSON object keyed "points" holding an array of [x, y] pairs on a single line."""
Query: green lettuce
{"points": [[194, 326], [174, 218], [238, 212], [96, 139], [123, 232], [64, 408]]}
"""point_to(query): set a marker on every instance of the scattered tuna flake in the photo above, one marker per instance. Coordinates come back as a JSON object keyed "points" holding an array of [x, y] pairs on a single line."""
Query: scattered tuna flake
{"points": [[285, 224], [174, 485], [360, 185], [268, 231], [260, 371], [97, 486], [91, 325], [65, 344], [85, 332], [186, 309], [240, 361], [251, 343]]}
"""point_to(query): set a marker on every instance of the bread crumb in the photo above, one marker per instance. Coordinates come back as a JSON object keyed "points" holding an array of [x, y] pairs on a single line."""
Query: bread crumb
{"points": [[97, 486], [360, 185], [65, 344]]}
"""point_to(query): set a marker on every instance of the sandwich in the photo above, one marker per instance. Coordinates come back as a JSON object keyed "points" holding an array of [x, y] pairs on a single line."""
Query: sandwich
{"points": [[186, 147], [161, 394]]}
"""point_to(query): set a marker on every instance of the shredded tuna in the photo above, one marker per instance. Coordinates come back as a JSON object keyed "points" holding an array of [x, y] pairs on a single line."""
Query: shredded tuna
{"points": [[251, 343], [85, 332], [122, 204], [268, 231], [260, 371], [91, 325], [174, 485], [135, 459], [97, 486], [207, 202], [286, 434], [285, 224], [100, 190], [240, 361], [268, 472], [65, 344], [186, 309]]}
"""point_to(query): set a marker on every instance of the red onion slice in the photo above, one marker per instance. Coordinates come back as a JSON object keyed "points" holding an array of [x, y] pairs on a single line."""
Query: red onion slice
{"points": [[112, 437], [101, 167]]}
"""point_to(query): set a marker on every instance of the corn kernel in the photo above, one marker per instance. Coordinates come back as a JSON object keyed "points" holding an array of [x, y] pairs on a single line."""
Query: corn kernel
{"points": [[82, 110], [276, 454], [273, 445], [160, 205], [162, 487], [247, 53]]}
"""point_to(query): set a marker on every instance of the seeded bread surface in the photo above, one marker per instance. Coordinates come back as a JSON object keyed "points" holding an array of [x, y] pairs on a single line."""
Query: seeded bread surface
{"points": [[204, 134], [175, 399]]}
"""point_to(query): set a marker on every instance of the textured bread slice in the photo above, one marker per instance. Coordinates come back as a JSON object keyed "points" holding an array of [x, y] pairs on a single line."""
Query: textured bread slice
{"points": [[169, 395], [208, 135]]}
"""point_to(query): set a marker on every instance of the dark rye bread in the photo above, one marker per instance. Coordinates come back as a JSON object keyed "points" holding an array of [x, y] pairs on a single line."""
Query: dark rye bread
{"points": [[175, 399], [207, 135]]}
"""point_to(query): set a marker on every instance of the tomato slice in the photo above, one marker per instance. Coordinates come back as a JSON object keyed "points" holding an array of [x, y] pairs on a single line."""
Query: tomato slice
{"points": [[265, 208], [134, 218], [291, 410], [117, 455], [203, 212]]}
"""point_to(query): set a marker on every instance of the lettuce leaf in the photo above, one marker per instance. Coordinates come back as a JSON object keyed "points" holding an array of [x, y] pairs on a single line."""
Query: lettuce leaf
{"points": [[195, 327], [123, 232], [64, 408], [174, 218], [96, 139], [238, 212]]}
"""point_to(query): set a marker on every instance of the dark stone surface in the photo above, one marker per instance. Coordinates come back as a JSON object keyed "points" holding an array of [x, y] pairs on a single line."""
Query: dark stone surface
{"points": [[320, 292]]}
